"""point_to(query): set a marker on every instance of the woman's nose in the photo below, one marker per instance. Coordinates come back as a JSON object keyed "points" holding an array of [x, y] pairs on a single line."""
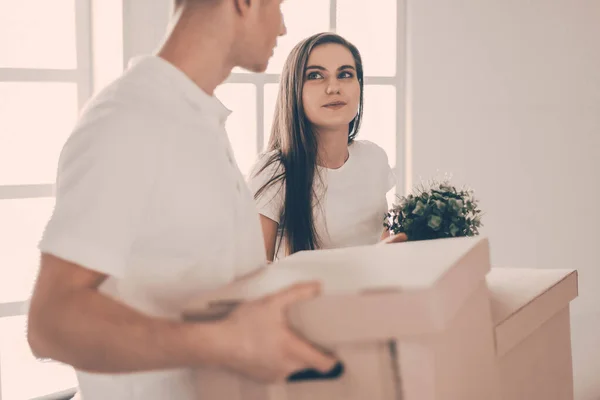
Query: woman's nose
{"points": [[333, 87]]}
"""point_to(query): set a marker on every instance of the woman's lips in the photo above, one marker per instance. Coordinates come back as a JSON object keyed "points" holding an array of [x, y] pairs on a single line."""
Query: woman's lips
{"points": [[335, 105]]}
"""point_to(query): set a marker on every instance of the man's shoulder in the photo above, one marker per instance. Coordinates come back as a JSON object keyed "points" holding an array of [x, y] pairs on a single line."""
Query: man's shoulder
{"points": [[133, 91], [115, 118], [136, 103], [118, 120]]}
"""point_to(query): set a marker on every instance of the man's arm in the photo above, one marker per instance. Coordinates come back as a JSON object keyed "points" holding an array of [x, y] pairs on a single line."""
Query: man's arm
{"points": [[72, 322]]}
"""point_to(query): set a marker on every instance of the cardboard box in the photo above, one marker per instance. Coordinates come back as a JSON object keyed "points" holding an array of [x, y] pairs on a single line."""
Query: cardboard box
{"points": [[530, 308], [410, 321]]}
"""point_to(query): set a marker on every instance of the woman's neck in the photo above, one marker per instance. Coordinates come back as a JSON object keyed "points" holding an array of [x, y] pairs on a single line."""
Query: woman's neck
{"points": [[332, 147]]}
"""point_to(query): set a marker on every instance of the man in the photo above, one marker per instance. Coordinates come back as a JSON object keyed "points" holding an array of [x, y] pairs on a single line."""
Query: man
{"points": [[150, 210]]}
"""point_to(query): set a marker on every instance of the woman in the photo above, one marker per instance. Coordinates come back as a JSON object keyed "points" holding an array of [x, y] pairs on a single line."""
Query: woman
{"points": [[316, 186]]}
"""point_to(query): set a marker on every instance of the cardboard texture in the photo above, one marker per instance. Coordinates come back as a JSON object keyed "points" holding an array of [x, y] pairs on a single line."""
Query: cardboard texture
{"points": [[530, 308], [409, 321]]}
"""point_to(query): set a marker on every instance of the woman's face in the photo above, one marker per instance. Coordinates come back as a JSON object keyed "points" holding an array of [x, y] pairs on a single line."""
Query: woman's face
{"points": [[331, 91]]}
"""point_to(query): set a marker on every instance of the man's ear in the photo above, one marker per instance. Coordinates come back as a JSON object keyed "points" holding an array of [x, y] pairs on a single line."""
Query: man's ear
{"points": [[243, 6]]}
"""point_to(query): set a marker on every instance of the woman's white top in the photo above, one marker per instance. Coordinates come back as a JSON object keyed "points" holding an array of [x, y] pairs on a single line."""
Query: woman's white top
{"points": [[350, 204]]}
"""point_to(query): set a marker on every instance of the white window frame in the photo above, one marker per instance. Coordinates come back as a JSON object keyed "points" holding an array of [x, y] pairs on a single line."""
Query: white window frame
{"points": [[82, 76]]}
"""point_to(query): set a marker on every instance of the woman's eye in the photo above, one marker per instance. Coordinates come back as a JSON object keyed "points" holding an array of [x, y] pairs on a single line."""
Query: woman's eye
{"points": [[346, 74], [313, 75]]}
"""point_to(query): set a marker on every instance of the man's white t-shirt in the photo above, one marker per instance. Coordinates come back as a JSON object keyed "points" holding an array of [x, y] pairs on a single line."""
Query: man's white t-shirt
{"points": [[148, 193], [350, 204]]}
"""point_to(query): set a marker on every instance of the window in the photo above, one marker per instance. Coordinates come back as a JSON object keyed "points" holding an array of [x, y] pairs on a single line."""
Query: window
{"points": [[45, 77], [67, 50], [375, 30]]}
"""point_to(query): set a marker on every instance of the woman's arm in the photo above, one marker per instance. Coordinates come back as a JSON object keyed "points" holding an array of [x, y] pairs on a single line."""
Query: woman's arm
{"points": [[269, 228]]}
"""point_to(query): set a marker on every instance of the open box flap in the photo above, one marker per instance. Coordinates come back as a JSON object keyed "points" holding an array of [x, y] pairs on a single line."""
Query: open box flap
{"points": [[523, 299], [414, 287]]}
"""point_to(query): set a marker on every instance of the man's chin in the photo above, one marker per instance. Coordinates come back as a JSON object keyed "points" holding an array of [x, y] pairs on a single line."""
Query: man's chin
{"points": [[258, 68]]}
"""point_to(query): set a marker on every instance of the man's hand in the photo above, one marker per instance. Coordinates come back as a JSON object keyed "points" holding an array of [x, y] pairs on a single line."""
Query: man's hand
{"points": [[264, 346]]}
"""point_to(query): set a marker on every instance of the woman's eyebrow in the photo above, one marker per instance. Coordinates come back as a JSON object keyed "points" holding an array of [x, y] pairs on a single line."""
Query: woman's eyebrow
{"points": [[343, 67]]}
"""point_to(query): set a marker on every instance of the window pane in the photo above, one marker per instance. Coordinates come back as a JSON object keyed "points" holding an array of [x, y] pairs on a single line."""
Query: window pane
{"points": [[270, 99], [45, 31], [35, 120], [107, 42], [23, 222], [303, 18], [372, 29], [379, 125], [240, 98], [24, 377], [379, 118]]}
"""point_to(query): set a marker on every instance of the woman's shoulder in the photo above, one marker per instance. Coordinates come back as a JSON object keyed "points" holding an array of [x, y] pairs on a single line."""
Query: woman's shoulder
{"points": [[368, 150], [266, 185], [267, 163], [369, 153]]}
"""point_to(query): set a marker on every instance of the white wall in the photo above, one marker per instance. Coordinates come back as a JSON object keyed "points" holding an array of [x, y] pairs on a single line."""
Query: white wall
{"points": [[506, 96]]}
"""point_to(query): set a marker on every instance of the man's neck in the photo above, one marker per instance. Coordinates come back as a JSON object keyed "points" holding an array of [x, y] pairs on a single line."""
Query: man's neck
{"points": [[333, 147], [198, 45]]}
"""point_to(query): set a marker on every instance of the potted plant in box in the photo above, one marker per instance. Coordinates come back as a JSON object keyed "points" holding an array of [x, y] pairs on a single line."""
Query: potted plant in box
{"points": [[437, 210]]}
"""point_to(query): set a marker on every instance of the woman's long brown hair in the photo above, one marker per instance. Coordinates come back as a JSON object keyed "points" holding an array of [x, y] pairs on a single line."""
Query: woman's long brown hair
{"points": [[294, 145]]}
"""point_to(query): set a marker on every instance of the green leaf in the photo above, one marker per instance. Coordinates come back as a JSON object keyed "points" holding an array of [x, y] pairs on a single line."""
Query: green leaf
{"points": [[453, 230], [440, 205], [455, 204], [434, 222], [419, 209]]}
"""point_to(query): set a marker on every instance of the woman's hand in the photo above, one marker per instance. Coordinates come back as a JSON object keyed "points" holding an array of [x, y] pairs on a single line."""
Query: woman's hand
{"points": [[398, 238]]}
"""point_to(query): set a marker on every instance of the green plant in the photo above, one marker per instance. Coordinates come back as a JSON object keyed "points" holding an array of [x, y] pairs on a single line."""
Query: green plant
{"points": [[437, 211]]}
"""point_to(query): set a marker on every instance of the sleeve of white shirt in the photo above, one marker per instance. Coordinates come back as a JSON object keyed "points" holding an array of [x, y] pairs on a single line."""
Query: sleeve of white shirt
{"points": [[381, 158], [391, 176], [271, 200], [105, 176], [388, 171]]}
